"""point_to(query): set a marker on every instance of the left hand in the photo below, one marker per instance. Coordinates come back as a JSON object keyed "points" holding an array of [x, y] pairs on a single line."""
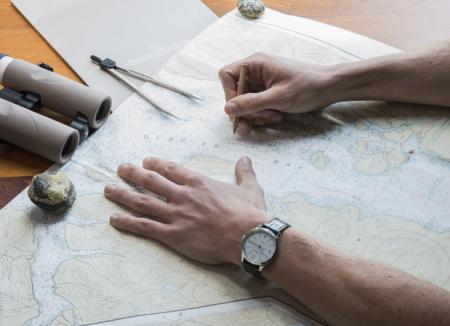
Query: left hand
{"points": [[201, 218]]}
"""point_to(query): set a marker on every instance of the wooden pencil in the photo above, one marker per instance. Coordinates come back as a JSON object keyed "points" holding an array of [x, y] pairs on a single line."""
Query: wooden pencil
{"points": [[241, 89]]}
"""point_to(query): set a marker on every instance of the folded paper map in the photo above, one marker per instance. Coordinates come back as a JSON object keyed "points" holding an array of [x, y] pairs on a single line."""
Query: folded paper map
{"points": [[373, 180]]}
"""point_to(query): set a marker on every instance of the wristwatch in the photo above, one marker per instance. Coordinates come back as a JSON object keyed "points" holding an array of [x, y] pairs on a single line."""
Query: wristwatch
{"points": [[259, 245]]}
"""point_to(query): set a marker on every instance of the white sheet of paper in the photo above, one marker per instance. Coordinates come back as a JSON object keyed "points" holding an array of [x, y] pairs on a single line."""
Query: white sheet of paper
{"points": [[375, 185], [137, 34]]}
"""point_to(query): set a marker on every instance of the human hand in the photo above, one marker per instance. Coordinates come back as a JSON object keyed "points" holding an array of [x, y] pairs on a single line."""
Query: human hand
{"points": [[202, 218], [276, 85]]}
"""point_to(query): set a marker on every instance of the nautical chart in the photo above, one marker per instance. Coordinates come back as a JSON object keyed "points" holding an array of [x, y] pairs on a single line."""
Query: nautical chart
{"points": [[375, 184]]}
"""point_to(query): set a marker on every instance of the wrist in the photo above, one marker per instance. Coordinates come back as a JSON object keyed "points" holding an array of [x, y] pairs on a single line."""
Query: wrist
{"points": [[355, 81], [284, 243], [295, 249], [372, 79], [252, 220]]}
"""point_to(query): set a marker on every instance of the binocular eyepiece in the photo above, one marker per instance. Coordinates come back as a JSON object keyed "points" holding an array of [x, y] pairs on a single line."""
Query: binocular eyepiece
{"points": [[29, 86]]}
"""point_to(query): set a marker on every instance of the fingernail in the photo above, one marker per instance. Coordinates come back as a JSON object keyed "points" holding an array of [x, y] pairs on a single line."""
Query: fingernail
{"points": [[123, 167], [231, 108], [247, 161], [110, 188], [113, 218]]}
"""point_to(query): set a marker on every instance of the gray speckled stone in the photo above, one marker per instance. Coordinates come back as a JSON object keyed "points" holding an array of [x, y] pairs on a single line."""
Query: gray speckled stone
{"points": [[251, 8], [53, 192]]}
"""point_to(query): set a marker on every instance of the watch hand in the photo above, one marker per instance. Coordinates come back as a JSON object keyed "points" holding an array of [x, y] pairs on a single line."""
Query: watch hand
{"points": [[253, 243]]}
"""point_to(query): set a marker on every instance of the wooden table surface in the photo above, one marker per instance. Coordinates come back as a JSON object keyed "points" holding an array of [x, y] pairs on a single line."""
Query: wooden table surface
{"points": [[402, 23]]}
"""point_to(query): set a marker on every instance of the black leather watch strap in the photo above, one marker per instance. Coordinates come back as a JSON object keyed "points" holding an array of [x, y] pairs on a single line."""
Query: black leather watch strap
{"points": [[250, 268]]}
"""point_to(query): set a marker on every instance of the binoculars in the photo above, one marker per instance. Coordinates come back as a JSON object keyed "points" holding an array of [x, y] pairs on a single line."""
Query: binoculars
{"points": [[28, 87]]}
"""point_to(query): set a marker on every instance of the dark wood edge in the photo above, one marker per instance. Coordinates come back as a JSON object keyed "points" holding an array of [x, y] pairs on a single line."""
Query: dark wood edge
{"points": [[10, 187]]}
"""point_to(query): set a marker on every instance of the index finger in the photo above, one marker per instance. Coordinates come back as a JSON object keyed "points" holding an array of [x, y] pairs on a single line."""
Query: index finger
{"points": [[171, 171], [228, 78], [229, 75]]}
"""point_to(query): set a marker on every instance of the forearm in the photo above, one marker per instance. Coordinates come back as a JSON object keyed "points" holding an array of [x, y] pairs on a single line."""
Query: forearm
{"points": [[420, 76], [344, 289]]}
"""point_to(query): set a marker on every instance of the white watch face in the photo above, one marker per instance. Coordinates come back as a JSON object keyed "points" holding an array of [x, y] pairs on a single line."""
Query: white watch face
{"points": [[259, 246]]}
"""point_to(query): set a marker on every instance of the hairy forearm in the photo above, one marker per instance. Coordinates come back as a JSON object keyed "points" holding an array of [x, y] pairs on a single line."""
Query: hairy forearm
{"points": [[420, 76], [344, 289]]}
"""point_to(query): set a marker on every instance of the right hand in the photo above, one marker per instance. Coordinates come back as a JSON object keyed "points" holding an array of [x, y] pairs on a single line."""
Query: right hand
{"points": [[276, 85]]}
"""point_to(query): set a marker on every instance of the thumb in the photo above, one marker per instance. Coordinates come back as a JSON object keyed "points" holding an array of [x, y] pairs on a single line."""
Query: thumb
{"points": [[252, 102], [245, 175]]}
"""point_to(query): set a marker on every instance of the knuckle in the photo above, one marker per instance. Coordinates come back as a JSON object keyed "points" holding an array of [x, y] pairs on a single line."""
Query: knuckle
{"points": [[248, 172], [174, 233], [141, 203], [196, 181], [222, 72], [175, 211], [185, 195], [260, 56], [256, 55], [150, 178], [170, 167], [142, 226], [252, 101]]}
